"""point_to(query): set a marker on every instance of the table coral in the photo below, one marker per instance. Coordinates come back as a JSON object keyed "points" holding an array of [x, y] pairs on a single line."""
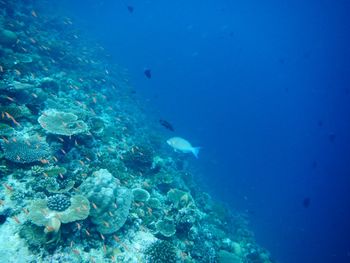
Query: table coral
{"points": [[62, 123]]}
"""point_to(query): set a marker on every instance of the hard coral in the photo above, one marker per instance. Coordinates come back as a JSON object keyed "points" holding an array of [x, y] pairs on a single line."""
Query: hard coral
{"points": [[41, 214], [161, 252], [62, 123], [111, 202], [24, 151]]}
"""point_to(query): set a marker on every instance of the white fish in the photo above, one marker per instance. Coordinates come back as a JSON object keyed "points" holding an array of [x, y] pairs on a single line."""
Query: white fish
{"points": [[182, 145]]}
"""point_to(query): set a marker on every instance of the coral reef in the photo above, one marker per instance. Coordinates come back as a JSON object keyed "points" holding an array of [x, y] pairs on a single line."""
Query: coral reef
{"points": [[86, 175]]}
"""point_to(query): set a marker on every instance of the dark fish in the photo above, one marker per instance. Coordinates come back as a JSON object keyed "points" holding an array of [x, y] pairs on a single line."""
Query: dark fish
{"points": [[148, 73], [306, 202], [167, 125], [130, 8]]}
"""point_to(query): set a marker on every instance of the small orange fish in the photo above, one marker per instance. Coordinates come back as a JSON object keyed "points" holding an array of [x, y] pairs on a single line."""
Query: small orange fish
{"points": [[94, 205], [76, 251], [102, 237], [78, 226], [10, 188], [10, 99], [5, 140], [18, 73], [44, 161], [16, 219], [87, 232], [106, 224]]}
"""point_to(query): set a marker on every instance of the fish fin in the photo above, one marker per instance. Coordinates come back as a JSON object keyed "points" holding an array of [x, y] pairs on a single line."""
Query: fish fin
{"points": [[195, 151]]}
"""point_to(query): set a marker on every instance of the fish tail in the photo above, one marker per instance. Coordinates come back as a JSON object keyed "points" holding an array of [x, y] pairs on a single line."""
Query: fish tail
{"points": [[195, 151]]}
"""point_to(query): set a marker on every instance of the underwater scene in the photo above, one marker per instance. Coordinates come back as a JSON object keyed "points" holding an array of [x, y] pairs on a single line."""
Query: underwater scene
{"points": [[174, 131]]}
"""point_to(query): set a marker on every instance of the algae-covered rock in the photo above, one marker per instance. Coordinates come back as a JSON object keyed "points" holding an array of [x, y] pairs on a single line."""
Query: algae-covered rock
{"points": [[227, 257], [154, 203], [166, 227], [62, 123], [111, 202], [6, 130], [179, 198], [140, 195], [139, 159], [7, 37]]}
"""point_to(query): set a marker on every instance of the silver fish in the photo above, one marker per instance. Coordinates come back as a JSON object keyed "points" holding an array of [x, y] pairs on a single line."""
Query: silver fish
{"points": [[181, 145]]}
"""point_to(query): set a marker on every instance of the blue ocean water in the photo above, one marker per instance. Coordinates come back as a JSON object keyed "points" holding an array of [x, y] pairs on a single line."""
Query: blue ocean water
{"points": [[263, 88]]}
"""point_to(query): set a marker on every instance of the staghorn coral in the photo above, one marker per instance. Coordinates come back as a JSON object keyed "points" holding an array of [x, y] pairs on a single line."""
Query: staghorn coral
{"points": [[25, 151], [62, 123], [41, 215], [111, 202]]}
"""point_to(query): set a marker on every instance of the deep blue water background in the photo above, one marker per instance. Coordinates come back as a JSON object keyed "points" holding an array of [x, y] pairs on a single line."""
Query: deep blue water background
{"points": [[263, 87]]}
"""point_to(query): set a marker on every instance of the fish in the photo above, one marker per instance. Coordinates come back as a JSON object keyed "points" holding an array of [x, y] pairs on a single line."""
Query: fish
{"points": [[148, 73], [181, 145], [167, 125], [130, 8]]}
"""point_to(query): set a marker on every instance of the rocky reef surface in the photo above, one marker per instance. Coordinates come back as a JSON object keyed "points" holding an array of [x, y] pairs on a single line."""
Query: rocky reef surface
{"points": [[84, 176]]}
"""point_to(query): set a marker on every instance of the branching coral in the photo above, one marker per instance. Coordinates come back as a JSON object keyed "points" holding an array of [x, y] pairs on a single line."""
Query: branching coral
{"points": [[62, 123], [161, 252]]}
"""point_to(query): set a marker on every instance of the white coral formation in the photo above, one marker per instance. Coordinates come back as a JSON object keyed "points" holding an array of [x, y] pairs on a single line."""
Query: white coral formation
{"points": [[41, 215], [62, 123], [110, 202]]}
